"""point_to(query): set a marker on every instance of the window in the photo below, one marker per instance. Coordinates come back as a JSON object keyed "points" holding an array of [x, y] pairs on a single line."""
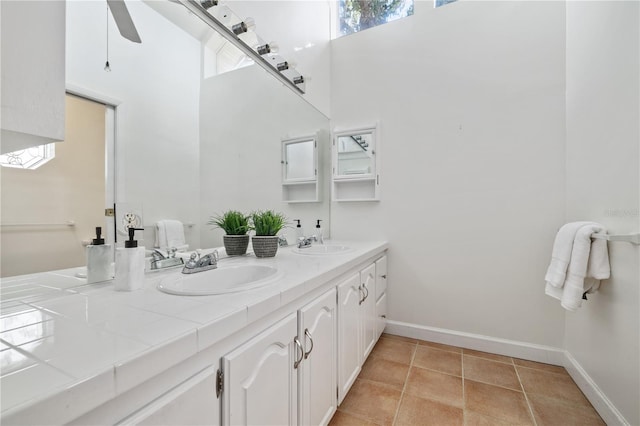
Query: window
{"points": [[30, 158], [358, 15], [439, 3]]}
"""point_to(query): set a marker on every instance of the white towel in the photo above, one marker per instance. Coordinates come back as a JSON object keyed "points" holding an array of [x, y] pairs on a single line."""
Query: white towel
{"points": [[561, 254], [170, 233], [588, 264]]}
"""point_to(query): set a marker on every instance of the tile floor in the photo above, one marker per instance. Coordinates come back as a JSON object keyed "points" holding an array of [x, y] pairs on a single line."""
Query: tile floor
{"points": [[413, 382]]}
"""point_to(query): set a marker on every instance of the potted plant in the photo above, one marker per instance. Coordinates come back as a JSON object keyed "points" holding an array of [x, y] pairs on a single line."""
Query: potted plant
{"points": [[266, 224], [236, 225]]}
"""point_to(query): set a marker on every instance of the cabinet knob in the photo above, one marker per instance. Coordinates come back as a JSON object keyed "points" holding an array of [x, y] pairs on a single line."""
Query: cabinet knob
{"points": [[384, 276]]}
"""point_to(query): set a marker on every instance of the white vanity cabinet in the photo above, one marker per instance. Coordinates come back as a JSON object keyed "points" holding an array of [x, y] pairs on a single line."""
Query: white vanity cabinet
{"points": [[359, 324], [381, 294], [317, 372], [260, 378], [193, 402], [287, 374]]}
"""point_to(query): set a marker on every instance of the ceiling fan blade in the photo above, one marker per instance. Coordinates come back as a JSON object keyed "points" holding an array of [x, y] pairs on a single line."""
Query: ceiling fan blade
{"points": [[123, 20]]}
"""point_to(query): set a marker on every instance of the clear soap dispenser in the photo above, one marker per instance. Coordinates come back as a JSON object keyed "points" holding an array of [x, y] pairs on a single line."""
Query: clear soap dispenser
{"points": [[99, 258], [319, 232], [130, 264], [299, 230]]}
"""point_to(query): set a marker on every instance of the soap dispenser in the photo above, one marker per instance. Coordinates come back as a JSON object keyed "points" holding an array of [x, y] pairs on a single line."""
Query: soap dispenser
{"points": [[130, 264], [319, 232], [99, 257], [299, 231]]}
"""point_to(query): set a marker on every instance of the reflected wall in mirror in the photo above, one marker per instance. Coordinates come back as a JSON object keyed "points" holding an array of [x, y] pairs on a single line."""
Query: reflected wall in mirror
{"points": [[299, 159]]}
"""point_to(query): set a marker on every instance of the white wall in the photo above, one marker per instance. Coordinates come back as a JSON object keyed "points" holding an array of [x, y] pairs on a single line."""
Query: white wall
{"points": [[157, 83], [470, 99], [240, 152], [603, 185]]}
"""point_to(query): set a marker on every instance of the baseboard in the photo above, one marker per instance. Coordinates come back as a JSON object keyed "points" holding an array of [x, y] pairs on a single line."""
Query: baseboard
{"points": [[516, 349], [590, 389], [478, 342]]}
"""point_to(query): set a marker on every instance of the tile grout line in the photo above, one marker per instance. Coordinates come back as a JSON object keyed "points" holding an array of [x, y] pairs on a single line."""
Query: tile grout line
{"points": [[526, 398], [404, 385], [464, 400]]}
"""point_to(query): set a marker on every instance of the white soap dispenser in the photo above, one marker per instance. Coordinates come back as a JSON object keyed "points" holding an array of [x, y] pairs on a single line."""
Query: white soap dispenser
{"points": [[319, 232], [299, 230], [99, 257], [130, 264]]}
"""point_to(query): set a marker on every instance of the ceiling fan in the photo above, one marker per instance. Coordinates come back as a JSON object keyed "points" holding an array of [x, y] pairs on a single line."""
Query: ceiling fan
{"points": [[123, 20]]}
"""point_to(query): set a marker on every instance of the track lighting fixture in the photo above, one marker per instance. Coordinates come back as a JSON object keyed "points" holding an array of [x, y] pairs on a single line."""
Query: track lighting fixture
{"points": [[244, 26]]}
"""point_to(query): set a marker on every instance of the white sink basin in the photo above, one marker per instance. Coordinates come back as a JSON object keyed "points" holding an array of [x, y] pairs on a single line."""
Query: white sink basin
{"points": [[224, 279], [322, 249]]}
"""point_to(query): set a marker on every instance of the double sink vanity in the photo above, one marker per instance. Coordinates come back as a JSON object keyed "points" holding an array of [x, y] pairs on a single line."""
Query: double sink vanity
{"points": [[256, 341]]}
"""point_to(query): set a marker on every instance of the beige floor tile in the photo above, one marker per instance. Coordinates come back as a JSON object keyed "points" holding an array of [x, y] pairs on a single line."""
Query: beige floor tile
{"points": [[493, 401], [340, 418], [440, 346], [418, 411], [491, 372], [550, 384], [384, 371], [471, 418], [401, 338], [394, 350], [435, 386], [439, 360], [553, 411], [487, 355], [540, 366], [372, 401]]}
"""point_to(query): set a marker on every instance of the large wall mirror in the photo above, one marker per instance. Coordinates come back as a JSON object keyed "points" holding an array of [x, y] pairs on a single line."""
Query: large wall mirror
{"points": [[191, 141]]}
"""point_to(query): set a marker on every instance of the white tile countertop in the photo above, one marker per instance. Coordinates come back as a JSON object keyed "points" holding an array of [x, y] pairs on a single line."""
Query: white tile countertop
{"points": [[62, 340]]}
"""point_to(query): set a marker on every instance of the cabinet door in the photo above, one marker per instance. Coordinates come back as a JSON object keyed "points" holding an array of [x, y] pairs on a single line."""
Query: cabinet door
{"points": [[369, 319], [349, 298], [317, 331], [193, 402], [381, 276], [260, 381], [381, 314]]}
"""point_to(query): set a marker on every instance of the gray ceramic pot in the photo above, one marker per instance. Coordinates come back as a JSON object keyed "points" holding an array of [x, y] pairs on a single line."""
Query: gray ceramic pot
{"points": [[264, 246], [235, 245]]}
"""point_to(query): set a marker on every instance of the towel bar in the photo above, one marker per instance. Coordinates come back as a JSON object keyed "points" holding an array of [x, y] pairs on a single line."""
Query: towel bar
{"points": [[629, 238], [26, 225], [186, 225]]}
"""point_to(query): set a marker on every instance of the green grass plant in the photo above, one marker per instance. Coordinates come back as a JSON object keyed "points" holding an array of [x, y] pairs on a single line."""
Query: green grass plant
{"points": [[232, 222]]}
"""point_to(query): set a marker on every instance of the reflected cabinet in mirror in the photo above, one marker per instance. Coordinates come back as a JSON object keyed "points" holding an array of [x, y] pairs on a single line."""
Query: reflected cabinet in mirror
{"points": [[356, 164], [300, 170]]}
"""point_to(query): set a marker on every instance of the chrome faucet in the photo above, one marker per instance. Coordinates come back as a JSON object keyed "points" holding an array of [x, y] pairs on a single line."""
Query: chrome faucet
{"points": [[304, 242], [160, 260], [199, 264]]}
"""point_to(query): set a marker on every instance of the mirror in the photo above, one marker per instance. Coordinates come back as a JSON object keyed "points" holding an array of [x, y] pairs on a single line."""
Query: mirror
{"points": [[299, 160], [191, 142], [355, 153]]}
